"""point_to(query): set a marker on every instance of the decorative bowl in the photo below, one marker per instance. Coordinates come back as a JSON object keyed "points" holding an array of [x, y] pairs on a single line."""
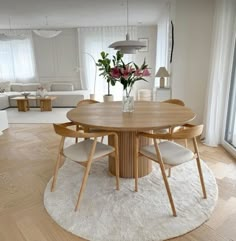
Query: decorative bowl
{"points": [[25, 94]]}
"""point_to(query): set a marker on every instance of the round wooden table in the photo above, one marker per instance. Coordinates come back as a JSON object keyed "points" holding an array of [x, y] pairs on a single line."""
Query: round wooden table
{"points": [[146, 116]]}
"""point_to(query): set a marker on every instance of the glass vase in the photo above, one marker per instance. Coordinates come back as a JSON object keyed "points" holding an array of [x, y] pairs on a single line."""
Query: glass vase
{"points": [[128, 102]]}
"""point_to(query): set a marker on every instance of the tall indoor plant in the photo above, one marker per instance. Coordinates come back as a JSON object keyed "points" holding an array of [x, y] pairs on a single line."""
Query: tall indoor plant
{"points": [[104, 65]]}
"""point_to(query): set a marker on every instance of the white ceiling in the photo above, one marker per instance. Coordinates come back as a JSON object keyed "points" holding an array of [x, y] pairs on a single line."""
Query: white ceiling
{"points": [[30, 14]]}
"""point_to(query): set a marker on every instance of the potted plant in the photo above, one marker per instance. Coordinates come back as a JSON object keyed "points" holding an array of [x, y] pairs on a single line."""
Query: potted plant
{"points": [[104, 65]]}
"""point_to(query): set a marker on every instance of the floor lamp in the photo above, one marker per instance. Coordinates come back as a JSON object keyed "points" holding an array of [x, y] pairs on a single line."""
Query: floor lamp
{"points": [[92, 96]]}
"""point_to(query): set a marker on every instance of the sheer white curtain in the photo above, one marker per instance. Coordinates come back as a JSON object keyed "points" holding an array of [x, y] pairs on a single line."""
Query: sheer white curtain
{"points": [[162, 51], [17, 62], [91, 42], [221, 65]]}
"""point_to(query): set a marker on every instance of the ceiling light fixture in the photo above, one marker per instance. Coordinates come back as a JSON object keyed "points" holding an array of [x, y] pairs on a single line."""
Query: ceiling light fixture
{"points": [[128, 46], [47, 33]]}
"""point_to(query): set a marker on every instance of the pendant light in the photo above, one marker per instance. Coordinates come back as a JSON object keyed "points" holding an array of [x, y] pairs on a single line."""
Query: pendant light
{"points": [[127, 46], [47, 33]]}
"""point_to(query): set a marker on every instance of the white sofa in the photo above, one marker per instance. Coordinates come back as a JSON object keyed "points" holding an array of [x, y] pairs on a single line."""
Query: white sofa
{"points": [[65, 93]]}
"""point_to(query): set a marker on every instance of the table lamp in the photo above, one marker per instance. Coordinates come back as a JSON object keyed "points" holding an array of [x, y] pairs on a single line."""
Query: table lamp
{"points": [[162, 73]]}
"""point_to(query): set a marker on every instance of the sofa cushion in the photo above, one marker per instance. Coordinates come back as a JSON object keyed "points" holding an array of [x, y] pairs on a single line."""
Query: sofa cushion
{"points": [[62, 87], [5, 86], [16, 87], [31, 86], [22, 87]]}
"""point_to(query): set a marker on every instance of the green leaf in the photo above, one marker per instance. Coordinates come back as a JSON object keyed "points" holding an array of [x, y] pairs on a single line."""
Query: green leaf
{"points": [[113, 82], [103, 54], [136, 66]]}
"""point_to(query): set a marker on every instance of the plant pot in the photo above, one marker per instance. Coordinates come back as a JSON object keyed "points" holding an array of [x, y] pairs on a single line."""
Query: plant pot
{"points": [[92, 96], [107, 98]]}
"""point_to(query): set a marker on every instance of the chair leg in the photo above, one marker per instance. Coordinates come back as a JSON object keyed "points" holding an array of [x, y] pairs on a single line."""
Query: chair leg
{"points": [[186, 143], [117, 163], [136, 156], [165, 178], [201, 177], [168, 189], [85, 178], [102, 139], [76, 139], [169, 172], [56, 172], [199, 168]]}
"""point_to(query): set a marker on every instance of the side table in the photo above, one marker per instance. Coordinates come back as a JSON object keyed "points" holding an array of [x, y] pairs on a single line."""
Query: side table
{"points": [[22, 103], [46, 103]]}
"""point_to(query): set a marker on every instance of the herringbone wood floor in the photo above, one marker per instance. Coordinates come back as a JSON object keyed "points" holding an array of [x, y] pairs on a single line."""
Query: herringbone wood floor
{"points": [[27, 155]]}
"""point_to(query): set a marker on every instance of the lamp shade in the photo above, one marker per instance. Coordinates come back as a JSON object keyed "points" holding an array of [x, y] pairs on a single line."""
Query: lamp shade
{"points": [[128, 46], [162, 72]]}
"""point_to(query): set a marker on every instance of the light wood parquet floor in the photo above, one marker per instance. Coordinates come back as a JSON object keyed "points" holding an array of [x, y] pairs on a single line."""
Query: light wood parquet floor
{"points": [[27, 156]]}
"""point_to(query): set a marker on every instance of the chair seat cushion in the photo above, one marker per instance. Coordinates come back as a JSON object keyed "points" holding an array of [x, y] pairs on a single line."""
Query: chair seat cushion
{"points": [[162, 131], [171, 152], [80, 151]]}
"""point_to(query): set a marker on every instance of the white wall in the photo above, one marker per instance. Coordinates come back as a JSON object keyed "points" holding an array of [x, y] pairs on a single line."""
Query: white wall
{"points": [[56, 58], [150, 33], [190, 67]]}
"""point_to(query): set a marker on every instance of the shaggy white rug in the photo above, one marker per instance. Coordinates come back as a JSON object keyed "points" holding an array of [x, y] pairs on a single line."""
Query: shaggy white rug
{"points": [[34, 115], [109, 215]]}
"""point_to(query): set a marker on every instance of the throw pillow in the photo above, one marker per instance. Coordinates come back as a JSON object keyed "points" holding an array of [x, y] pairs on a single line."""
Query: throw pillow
{"points": [[5, 86]]}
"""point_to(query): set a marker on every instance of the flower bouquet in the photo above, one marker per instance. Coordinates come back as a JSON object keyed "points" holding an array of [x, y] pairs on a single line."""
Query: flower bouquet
{"points": [[127, 74]]}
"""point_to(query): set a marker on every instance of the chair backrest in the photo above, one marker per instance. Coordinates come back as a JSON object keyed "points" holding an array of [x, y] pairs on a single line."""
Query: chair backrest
{"points": [[62, 130], [188, 132], [86, 102], [185, 132], [174, 101], [145, 94]]}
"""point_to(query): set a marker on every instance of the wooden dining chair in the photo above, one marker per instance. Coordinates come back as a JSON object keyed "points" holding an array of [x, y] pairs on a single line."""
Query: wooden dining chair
{"points": [[172, 129], [145, 94], [174, 101], [84, 152], [86, 101], [81, 103], [169, 154]]}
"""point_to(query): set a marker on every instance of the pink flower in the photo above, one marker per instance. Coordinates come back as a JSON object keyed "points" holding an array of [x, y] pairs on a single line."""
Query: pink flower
{"points": [[138, 73], [126, 72], [115, 73], [146, 72]]}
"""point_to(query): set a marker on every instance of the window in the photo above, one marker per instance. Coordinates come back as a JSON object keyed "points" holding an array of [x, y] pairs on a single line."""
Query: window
{"points": [[17, 60], [92, 41]]}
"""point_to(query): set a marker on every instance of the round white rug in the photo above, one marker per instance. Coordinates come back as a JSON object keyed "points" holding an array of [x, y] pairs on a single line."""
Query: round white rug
{"points": [[109, 215]]}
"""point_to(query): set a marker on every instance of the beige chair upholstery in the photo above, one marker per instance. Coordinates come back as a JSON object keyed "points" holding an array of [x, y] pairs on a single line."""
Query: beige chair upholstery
{"points": [[145, 94], [169, 154], [172, 153], [84, 152], [172, 129]]}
